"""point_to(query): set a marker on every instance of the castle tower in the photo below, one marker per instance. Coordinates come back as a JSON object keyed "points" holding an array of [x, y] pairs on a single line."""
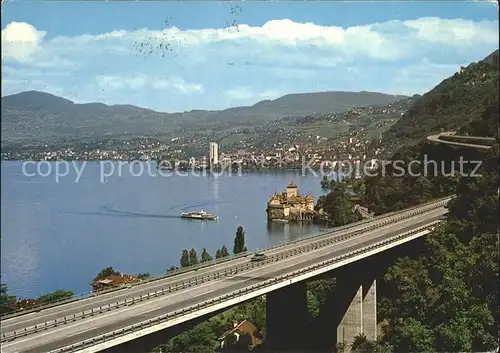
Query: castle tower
{"points": [[291, 190]]}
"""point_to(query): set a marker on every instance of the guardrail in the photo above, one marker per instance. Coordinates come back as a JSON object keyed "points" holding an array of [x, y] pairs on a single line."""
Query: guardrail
{"points": [[241, 292], [205, 278], [227, 272], [224, 259]]}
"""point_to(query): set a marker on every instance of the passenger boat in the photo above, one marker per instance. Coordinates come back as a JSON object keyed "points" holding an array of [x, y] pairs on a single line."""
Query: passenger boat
{"points": [[202, 215]]}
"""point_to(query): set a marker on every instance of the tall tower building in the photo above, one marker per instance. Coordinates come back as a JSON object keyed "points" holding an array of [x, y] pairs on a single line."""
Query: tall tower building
{"points": [[214, 154]]}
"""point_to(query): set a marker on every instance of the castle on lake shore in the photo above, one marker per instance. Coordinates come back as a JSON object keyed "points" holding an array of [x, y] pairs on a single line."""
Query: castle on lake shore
{"points": [[290, 206]]}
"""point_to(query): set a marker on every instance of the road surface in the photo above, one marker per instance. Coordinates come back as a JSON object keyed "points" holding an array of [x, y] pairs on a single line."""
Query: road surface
{"points": [[86, 328]]}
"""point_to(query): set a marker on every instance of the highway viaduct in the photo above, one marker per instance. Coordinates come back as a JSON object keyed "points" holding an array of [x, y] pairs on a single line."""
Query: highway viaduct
{"points": [[120, 320]]}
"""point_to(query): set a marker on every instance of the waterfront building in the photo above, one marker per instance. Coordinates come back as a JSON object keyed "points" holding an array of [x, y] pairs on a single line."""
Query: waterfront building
{"points": [[290, 206], [214, 154]]}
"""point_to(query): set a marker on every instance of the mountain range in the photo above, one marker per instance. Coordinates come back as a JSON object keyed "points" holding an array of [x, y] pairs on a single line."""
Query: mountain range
{"points": [[55, 117]]}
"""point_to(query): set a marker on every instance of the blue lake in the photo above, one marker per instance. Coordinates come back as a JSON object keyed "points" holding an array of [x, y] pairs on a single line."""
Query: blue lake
{"points": [[58, 234]]}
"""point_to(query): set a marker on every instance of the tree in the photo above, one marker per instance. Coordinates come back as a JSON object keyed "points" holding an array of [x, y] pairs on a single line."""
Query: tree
{"points": [[222, 252], [362, 345], [446, 297], [342, 347], [185, 258], [239, 241], [108, 271], [338, 207], [325, 183], [55, 296], [193, 257], [205, 256], [143, 275], [172, 269], [5, 299], [199, 339]]}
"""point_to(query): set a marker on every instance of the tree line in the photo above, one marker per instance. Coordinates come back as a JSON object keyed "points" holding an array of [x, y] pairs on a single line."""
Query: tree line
{"points": [[190, 257]]}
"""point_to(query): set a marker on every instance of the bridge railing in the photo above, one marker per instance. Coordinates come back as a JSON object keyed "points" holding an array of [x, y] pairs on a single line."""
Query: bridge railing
{"points": [[179, 313], [320, 243], [405, 213]]}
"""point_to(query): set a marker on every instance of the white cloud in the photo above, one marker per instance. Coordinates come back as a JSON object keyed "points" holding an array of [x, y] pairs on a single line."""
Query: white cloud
{"points": [[20, 41], [248, 94], [179, 84], [109, 82], [391, 40], [456, 31], [118, 82], [283, 56]]}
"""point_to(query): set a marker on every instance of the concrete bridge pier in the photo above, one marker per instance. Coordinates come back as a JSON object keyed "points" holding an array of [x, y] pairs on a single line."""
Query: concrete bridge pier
{"points": [[370, 309], [360, 317], [287, 318], [349, 310]]}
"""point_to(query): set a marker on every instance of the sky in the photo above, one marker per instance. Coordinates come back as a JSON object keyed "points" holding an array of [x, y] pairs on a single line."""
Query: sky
{"points": [[182, 55]]}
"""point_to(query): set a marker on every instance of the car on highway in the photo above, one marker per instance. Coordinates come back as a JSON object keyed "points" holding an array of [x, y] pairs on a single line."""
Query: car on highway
{"points": [[258, 257]]}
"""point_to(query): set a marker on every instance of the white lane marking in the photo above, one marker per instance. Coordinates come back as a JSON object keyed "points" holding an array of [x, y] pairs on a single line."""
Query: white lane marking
{"points": [[354, 240], [214, 283], [193, 274]]}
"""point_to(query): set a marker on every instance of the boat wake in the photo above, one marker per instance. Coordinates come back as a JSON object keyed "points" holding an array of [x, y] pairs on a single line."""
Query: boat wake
{"points": [[110, 211], [114, 211]]}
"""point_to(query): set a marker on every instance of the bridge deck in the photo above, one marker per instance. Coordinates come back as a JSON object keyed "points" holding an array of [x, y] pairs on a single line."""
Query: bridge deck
{"points": [[280, 261]]}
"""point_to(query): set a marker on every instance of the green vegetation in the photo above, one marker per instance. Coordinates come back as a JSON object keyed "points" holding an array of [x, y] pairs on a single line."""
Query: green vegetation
{"points": [[172, 269], [5, 299], [190, 258], [239, 241], [317, 292], [323, 129], [59, 118], [451, 105], [204, 337], [55, 296], [8, 302], [193, 257], [185, 258], [108, 271], [388, 191], [447, 298], [205, 256], [337, 206], [222, 252]]}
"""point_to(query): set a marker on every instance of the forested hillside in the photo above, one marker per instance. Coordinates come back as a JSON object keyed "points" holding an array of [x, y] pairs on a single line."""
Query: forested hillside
{"points": [[444, 298], [452, 104], [466, 102]]}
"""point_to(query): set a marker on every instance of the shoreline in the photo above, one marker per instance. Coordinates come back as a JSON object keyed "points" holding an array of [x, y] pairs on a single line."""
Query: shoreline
{"points": [[184, 170]]}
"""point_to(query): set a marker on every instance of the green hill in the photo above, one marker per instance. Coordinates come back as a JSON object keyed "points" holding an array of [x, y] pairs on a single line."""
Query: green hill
{"points": [[451, 105], [56, 117]]}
